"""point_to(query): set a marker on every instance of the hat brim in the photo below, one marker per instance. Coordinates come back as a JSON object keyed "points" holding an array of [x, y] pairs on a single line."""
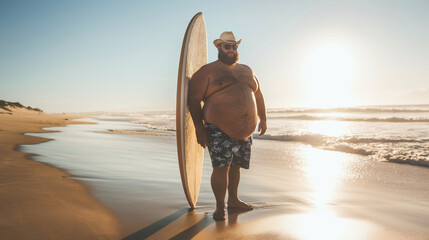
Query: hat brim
{"points": [[219, 41]]}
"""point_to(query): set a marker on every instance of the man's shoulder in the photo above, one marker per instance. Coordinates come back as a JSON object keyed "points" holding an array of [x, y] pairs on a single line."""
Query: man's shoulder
{"points": [[207, 67], [211, 65], [204, 71], [244, 67]]}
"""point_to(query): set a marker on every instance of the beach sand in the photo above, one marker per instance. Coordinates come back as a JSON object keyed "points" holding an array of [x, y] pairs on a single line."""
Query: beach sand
{"points": [[38, 201], [299, 192]]}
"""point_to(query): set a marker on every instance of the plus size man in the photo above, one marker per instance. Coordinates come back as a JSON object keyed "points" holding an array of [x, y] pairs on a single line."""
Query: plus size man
{"points": [[232, 102]]}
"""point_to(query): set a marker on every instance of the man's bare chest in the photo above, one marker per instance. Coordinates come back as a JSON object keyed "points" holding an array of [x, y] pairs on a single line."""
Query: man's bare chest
{"points": [[226, 79]]}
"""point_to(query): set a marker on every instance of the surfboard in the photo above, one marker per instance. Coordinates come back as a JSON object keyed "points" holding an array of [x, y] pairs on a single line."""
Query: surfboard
{"points": [[190, 153]]}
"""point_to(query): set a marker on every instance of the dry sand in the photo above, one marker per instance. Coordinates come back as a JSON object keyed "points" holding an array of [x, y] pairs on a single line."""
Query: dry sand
{"points": [[38, 201]]}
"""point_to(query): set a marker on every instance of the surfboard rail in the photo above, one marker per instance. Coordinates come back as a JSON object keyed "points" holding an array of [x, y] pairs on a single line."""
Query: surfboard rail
{"points": [[190, 154]]}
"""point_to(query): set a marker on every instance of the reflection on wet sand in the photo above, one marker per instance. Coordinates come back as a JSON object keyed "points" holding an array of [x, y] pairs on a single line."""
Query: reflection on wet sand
{"points": [[323, 170]]}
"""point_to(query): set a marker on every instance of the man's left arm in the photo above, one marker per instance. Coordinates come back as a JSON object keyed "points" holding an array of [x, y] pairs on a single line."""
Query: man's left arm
{"points": [[262, 113]]}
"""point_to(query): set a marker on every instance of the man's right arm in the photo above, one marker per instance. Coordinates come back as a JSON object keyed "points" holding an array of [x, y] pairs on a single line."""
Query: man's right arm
{"points": [[197, 89]]}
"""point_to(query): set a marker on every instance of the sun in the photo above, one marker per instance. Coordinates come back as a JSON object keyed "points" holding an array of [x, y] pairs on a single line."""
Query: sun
{"points": [[328, 73]]}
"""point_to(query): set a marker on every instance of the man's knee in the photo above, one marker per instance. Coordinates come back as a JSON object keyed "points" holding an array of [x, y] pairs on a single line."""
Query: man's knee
{"points": [[221, 170], [235, 168]]}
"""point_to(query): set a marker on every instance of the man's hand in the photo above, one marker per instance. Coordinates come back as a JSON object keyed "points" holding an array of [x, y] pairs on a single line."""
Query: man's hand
{"points": [[262, 127], [202, 136]]}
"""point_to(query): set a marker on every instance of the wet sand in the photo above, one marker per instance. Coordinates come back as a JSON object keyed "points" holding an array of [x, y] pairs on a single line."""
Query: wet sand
{"points": [[299, 192], [38, 201], [304, 193]]}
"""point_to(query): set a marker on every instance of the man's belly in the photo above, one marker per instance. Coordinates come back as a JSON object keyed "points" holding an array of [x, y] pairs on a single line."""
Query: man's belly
{"points": [[233, 111]]}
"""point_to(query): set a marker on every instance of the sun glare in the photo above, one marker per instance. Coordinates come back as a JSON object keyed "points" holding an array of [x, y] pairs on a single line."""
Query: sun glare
{"points": [[323, 170], [328, 72]]}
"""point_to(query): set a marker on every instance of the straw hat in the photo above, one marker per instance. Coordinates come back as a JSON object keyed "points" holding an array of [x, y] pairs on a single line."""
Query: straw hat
{"points": [[226, 37]]}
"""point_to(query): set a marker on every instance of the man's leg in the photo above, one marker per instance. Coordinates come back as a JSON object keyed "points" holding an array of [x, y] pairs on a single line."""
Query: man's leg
{"points": [[219, 182], [234, 180]]}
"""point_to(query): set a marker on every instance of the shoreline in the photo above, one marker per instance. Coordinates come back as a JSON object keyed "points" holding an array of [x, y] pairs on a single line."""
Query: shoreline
{"points": [[41, 201]]}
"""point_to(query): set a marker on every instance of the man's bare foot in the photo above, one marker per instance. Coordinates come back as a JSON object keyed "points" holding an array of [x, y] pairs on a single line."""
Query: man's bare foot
{"points": [[219, 214], [239, 204]]}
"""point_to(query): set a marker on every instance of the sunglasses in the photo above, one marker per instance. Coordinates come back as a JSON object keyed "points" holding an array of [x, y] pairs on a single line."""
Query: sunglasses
{"points": [[227, 46]]}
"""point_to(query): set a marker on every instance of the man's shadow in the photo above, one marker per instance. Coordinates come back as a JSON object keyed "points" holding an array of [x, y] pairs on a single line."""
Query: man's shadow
{"points": [[190, 232]]}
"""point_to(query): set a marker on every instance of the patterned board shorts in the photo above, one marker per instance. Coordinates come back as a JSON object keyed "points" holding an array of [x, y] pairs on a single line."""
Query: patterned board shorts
{"points": [[226, 151]]}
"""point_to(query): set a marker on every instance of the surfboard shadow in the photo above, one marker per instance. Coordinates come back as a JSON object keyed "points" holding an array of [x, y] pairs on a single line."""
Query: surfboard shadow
{"points": [[190, 232], [195, 229], [207, 221], [160, 224], [156, 226]]}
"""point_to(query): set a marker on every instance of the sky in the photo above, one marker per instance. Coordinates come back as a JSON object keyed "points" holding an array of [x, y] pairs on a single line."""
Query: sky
{"points": [[81, 56]]}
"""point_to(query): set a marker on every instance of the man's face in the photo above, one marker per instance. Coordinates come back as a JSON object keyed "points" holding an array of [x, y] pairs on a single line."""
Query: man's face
{"points": [[228, 53]]}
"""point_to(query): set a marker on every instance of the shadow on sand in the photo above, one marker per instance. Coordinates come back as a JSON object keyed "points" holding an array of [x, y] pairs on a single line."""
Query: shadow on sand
{"points": [[190, 218]]}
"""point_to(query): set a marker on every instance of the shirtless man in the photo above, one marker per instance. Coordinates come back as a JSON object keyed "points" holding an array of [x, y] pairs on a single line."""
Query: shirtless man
{"points": [[233, 102]]}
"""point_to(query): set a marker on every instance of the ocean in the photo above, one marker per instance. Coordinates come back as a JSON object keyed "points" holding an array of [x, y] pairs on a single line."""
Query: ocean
{"points": [[398, 133]]}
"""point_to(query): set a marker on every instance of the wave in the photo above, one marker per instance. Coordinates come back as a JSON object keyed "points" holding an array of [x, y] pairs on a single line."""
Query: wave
{"points": [[313, 139], [410, 160], [162, 128], [165, 125], [320, 139], [404, 150], [399, 109], [334, 118], [384, 140]]}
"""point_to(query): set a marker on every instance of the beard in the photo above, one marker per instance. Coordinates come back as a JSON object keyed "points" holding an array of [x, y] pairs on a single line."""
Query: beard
{"points": [[223, 57]]}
